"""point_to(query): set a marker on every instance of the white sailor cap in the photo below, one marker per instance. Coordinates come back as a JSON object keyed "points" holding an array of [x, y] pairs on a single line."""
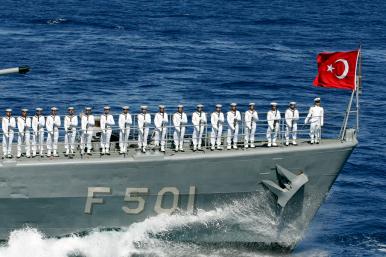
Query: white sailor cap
{"points": [[88, 108], [251, 104], [292, 103], [54, 108], [273, 104], [200, 106], [70, 108], [161, 106], [24, 110], [106, 107], [218, 105], [317, 99], [8, 110], [233, 104], [143, 107], [180, 106], [39, 109], [125, 107]]}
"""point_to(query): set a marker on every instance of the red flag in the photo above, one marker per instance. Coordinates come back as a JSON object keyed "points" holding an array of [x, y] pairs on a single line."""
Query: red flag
{"points": [[337, 70]]}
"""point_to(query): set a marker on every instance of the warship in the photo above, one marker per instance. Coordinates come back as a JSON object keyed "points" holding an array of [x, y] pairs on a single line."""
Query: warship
{"points": [[65, 195]]}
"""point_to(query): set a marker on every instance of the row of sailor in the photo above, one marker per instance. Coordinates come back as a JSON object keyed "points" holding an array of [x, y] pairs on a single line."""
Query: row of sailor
{"points": [[199, 121]]}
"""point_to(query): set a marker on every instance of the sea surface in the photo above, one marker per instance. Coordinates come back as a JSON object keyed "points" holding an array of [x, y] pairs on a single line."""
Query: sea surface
{"points": [[92, 53]]}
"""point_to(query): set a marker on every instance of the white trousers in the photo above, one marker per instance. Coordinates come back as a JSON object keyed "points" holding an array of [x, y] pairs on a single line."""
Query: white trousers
{"points": [[85, 141], [315, 131], [142, 137], [7, 143], [24, 139], [123, 138], [233, 134], [105, 138], [197, 135], [160, 135], [52, 141], [216, 136], [37, 141], [273, 133], [249, 136], [69, 139], [291, 132], [178, 137]]}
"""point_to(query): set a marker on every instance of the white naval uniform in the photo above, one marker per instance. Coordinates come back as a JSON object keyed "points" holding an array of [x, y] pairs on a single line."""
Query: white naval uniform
{"points": [[179, 122], [8, 124], [250, 119], [199, 121], [107, 121], [217, 121], [291, 120], [124, 123], [24, 126], [70, 124], [273, 119], [316, 119], [144, 121], [233, 120], [52, 125], [87, 125], [160, 121], [38, 123]]}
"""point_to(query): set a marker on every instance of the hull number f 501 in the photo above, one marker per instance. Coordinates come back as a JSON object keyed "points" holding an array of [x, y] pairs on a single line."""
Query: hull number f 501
{"points": [[136, 198]]}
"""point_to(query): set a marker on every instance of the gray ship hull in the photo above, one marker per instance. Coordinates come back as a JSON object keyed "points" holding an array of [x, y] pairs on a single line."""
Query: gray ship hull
{"points": [[60, 197]]}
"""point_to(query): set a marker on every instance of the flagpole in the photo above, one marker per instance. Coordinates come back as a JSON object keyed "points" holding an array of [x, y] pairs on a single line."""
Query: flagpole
{"points": [[359, 84]]}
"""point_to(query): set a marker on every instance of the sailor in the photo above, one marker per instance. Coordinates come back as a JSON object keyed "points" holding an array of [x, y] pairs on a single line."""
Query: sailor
{"points": [[199, 121], [291, 120], [38, 123], [8, 125], [217, 122], [160, 121], [106, 122], [144, 121], [180, 120], [124, 122], [251, 117], [52, 124], [70, 124], [233, 120], [24, 125], [316, 119], [87, 125], [273, 119]]}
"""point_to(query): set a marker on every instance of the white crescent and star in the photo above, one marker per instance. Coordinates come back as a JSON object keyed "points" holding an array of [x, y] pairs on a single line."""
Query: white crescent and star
{"points": [[331, 69]]}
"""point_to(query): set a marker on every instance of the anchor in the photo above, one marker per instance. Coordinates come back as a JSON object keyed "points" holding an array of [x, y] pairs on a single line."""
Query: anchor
{"points": [[291, 186]]}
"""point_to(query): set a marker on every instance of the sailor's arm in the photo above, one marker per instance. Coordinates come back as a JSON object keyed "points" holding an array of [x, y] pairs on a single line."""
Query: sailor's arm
{"points": [[247, 119], [129, 120], [20, 125], [270, 120], [288, 118], [213, 120], [322, 117], [66, 123], [230, 121], [121, 121], [49, 124], [309, 115], [158, 121], [110, 120]]}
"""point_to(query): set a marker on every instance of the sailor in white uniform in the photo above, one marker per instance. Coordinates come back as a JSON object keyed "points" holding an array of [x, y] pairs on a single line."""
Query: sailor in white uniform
{"points": [[251, 117], [24, 125], [53, 124], [144, 122], [87, 126], [180, 120], [160, 121], [107, 122], [38, 123], [273, 119], [8, 125], [125, 121], [70, 124], [291, 120], [316, 119], [233, 120], [199, 120], [217, 121]]}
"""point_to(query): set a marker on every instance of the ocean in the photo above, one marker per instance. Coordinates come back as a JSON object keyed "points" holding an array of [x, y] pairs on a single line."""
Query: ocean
{"points": [[92, 53]]}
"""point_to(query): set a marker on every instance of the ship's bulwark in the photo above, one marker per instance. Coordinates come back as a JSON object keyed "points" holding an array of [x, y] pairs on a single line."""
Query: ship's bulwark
{"points": [[226, 188]]}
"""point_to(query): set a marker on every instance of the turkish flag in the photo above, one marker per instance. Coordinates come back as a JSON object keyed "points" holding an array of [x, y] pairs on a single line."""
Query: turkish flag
{"points": [[337, 70]]}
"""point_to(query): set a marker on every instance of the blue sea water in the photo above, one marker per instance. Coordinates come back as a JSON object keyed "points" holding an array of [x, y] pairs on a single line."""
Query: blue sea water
{"points": [[150, 52]]}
